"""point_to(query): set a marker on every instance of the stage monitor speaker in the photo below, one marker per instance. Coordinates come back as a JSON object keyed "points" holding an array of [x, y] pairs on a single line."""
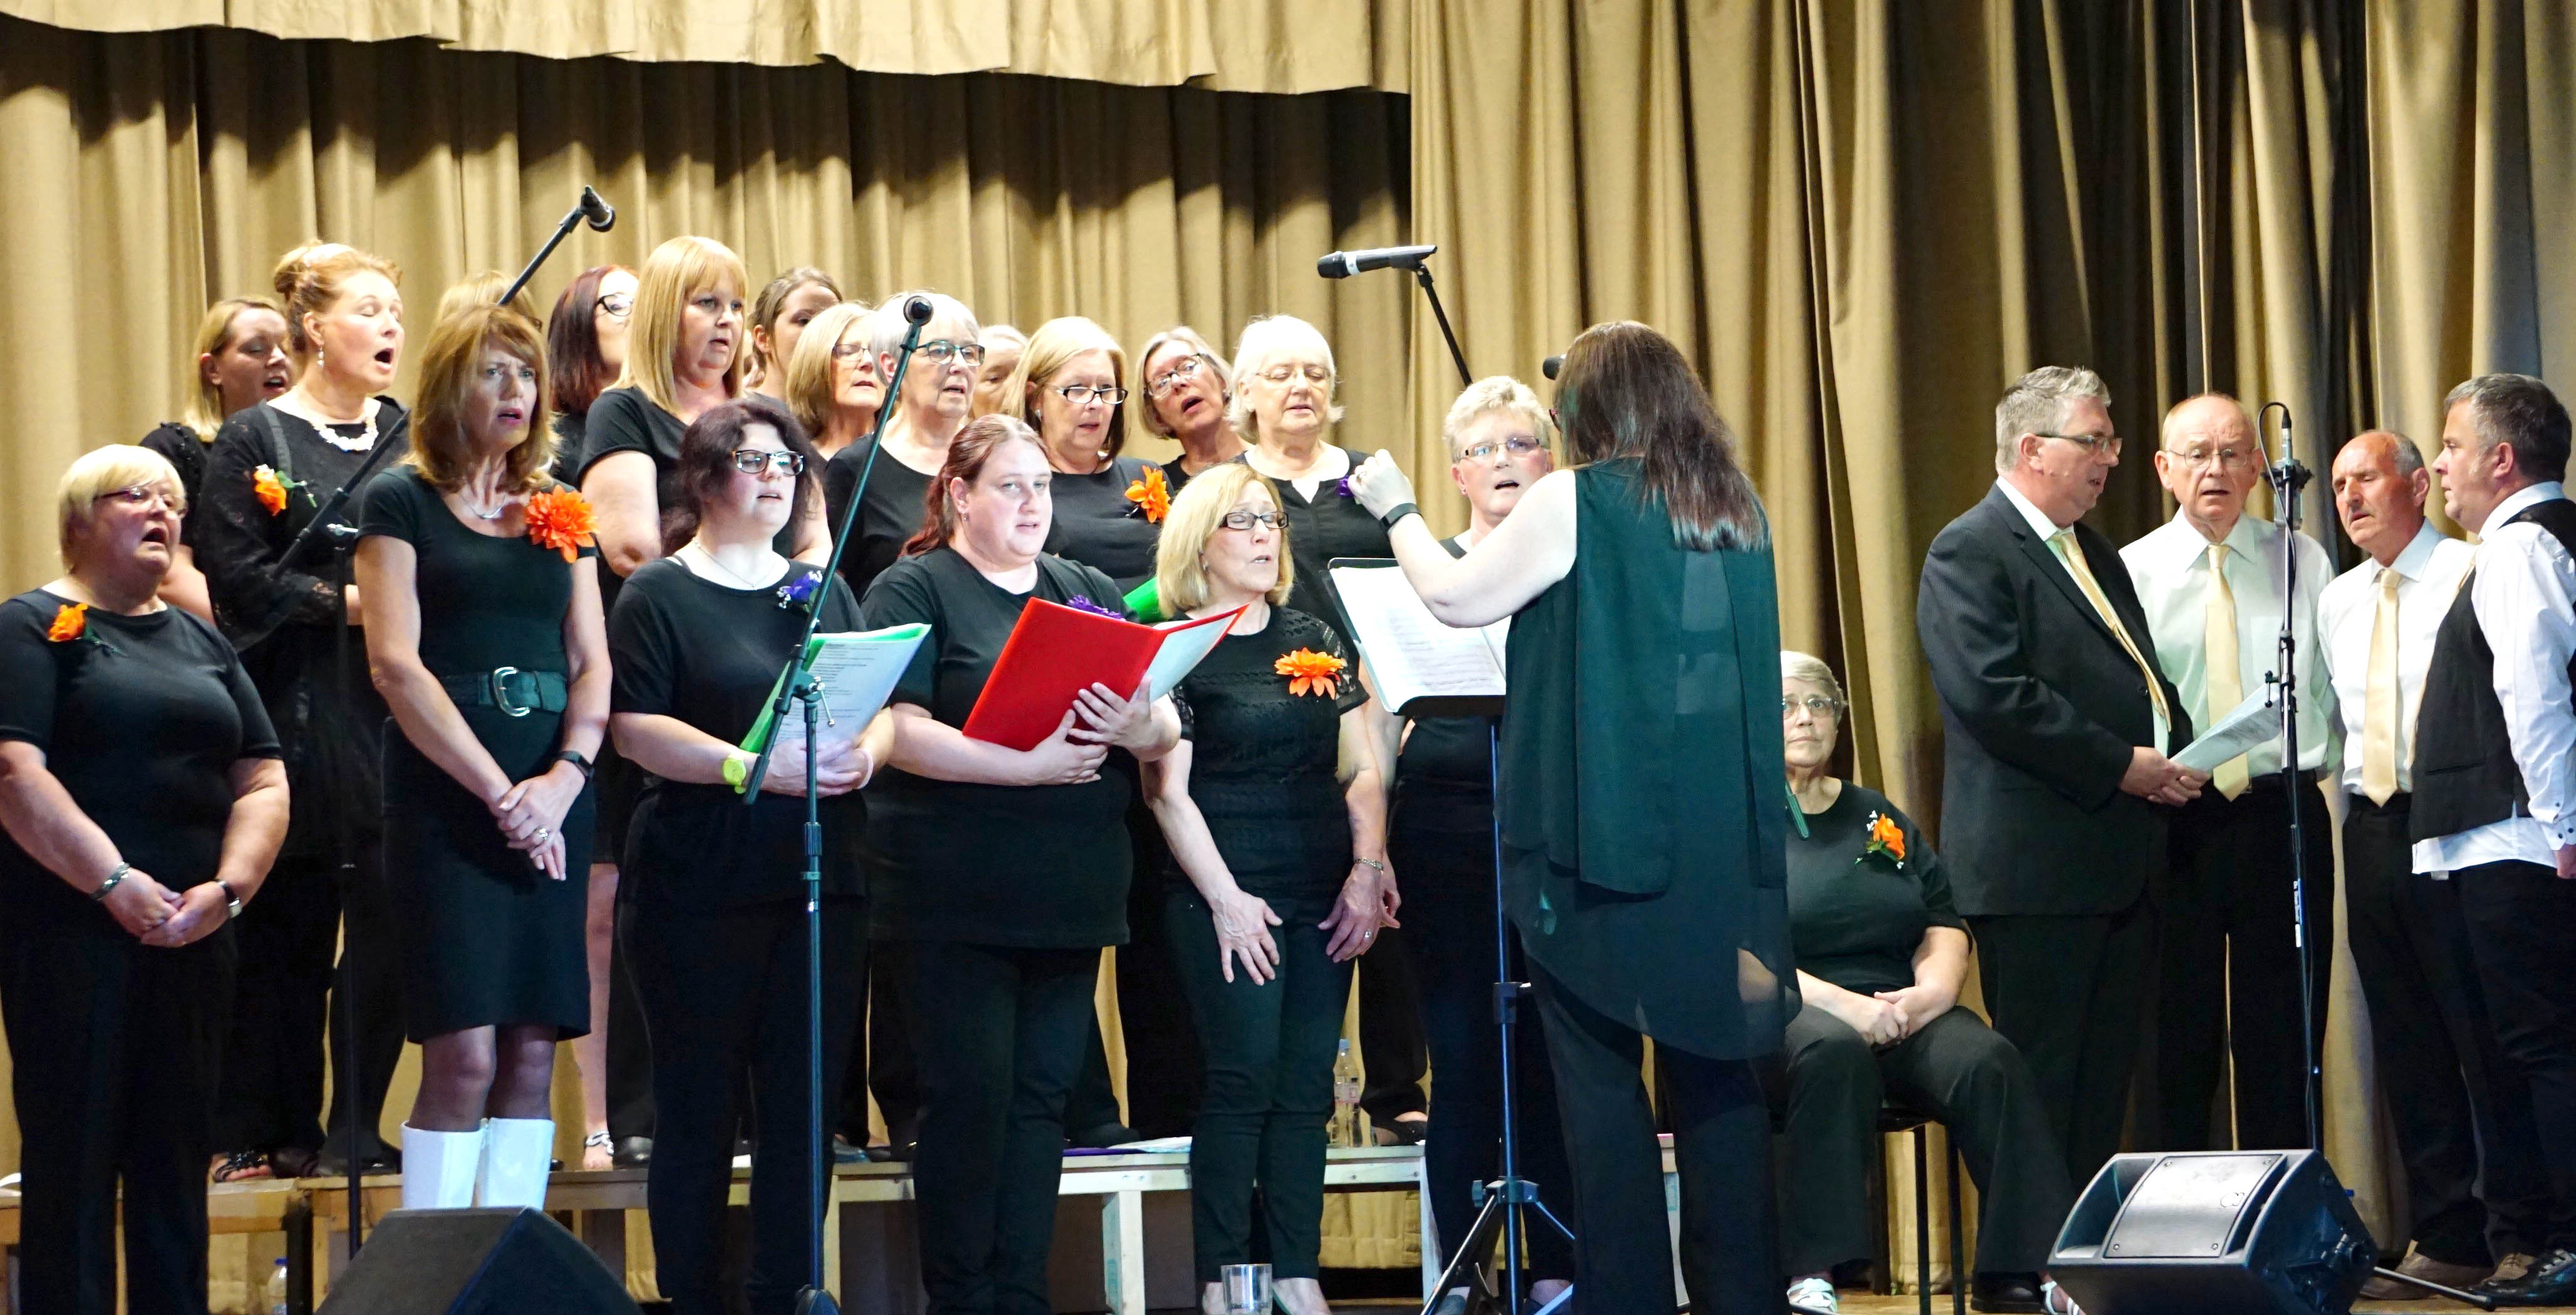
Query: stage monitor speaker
{"points": [[2214, 1233], [475, 1262]]}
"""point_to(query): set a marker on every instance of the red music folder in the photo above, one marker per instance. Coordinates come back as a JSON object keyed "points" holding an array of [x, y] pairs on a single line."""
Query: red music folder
{"points": [[1056, 652]]}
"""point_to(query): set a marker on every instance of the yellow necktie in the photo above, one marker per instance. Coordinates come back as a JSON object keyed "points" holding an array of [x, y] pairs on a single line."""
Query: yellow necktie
{"points": [[2218, 648], [2379, 697], [2072, 553]]}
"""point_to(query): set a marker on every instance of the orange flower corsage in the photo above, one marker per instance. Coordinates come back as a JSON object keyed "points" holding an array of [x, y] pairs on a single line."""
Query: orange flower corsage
{"points": [[1310, 672], [270, 487], [1885, 837], [561, 519], [71, 621], [1153, 494]]}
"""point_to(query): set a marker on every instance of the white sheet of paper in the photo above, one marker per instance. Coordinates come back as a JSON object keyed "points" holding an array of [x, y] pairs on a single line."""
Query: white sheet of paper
{"points": [[1181, 652], [857, 670], [2250, 724], [1412, 653]]}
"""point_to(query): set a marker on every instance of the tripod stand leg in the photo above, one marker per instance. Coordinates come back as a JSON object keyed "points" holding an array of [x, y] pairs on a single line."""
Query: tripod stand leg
{"points": [[1466, 1261]]}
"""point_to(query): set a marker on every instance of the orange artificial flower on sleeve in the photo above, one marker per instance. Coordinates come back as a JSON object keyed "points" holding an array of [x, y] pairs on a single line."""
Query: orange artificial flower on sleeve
{"points": [[562, 520], [1152, 494], [1885, 837], [1310, 672]]}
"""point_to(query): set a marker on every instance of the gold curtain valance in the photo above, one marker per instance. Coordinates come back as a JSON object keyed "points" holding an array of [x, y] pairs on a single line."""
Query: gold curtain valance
{"points": [[1287, 46]]}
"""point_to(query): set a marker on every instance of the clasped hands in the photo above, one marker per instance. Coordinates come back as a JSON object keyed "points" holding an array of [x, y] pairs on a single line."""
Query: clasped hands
{"points": [[1884, 1018], [2159, 779], [1098, 721], [531, 813], [164, 918]]}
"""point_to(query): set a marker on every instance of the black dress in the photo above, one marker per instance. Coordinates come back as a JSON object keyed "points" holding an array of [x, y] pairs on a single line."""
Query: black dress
{"points": [[890, 513], [487, 939], [1097, 526], [115, 1044]]}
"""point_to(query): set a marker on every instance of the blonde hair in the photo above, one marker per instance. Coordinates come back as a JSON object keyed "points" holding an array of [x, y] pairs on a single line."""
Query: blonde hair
{"points": [[482, 289], [439, 443], [1187, 337], [810, 385], [1499, 392], [215, 336], [1049, 351], [100, 471], [310, 279], [1267, 337], [1180, 577], [677, 270], [1795, 665]]}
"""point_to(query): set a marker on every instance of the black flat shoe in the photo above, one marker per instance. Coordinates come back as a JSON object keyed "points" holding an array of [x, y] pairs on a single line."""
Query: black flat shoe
{"points": [[631, 1152], [2018, 1293]]}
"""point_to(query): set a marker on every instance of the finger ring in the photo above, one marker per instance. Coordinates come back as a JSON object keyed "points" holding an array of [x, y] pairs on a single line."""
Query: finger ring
{"points": [[543, 832]]}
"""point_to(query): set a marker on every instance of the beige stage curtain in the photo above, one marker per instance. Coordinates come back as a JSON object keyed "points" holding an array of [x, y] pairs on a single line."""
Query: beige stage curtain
{"points": [[1220, 45]]}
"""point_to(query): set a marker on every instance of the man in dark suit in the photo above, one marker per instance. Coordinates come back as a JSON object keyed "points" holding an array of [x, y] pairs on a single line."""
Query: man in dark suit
{"points": [[2057, 722]]}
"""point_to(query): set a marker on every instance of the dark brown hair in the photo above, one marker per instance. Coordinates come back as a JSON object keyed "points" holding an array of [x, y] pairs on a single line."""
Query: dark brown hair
{"points": [[967, 453], [1627, 391], [439, 443], [706, 458], [572, 343], [772, 303]]}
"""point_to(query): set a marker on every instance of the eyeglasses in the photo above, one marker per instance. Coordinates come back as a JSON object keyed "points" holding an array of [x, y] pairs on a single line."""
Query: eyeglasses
{"points": [[1170, 381], [141, 495], [939, 351], [1085, 394], [2227, 458], [1519, 445], [1315, 374], [2107, 445], [1239, 519], [619, 305], [842, 351], [1817, 704], [753, 461]]}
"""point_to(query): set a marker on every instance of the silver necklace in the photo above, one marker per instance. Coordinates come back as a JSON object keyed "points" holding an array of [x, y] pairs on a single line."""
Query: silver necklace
{"points": [[710, 559], [478, 513]]}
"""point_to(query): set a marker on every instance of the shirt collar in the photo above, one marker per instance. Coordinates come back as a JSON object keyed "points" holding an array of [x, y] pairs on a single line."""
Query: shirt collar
{"points": [[2040, 524], [2417, 557], [2547, 490]]}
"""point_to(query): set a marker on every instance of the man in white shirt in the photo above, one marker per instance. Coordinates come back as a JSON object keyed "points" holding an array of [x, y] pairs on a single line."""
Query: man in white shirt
{"points": [[2495, 762], [2227, 959], [2434, 1047]]}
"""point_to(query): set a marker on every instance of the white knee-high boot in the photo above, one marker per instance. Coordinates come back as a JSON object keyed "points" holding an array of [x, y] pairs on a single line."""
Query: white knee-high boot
{"points": [[517, 1158], [439, 1168]]}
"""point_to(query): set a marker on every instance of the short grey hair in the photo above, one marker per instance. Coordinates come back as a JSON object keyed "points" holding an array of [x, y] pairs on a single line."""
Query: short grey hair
{"points": [[886, 325], [1795, 665], [1262, 339], [2037, 404], [2520, 412], [2410, 458], [1499, 392]]}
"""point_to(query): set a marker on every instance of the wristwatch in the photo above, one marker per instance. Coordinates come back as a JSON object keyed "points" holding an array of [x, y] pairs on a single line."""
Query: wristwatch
{"points": [[737, 770], [580, 764], [234, 899]]}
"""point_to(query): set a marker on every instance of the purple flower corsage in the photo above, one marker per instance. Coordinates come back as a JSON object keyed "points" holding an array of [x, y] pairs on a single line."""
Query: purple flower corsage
{"points": [[801, 590], [1343, 487], [1082, 604]]}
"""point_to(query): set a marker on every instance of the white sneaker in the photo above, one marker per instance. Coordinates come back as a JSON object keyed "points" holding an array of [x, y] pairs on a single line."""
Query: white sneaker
{"points": [[1815, 1294]]}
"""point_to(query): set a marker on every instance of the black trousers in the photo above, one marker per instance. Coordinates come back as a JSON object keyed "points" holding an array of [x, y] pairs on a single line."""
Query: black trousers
{"points": [[2522, 923], [1392, 1050], [2449, 1089], [288, 1009], [1164, 1068], [115, 1047], [1448, 878], [630, 1047], [2227, 968], [1269, 1089], [1721, 1145], [1004, 1030], [881, 1063], [1957, 1069], [2069, 991], [724, 995]]}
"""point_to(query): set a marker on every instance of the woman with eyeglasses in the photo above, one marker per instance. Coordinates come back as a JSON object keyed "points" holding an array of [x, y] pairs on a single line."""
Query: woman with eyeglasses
{"points": [[141, 801], [1187, 394], [832, 385], [241, 361], [938, 391], [716, 889], [1276, 816], [1003, 346], [1881, 956], [585, 352], [778, 320], [1071, 389]]}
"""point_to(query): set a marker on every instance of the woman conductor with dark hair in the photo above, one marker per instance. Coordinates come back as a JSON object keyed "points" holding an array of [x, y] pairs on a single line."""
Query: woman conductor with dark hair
{"points": [[485, 637], [1647, 884], [996, 875]]}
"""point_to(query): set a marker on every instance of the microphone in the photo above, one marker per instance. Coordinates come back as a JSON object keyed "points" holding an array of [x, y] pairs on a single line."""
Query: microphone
{"points": [[1343, 264], [1551, 365], [601, 215], [916, 309]]}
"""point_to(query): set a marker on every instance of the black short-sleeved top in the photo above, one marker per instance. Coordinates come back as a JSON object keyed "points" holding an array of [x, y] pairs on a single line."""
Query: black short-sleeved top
{"points": [[572, 434], [186, 453], [1097, 526], [1321, 528], [889, 514], [1856, 918], [625, 420], [1263, 760], [709, 654], [1032, 866], [142, 732], [486, 601]]}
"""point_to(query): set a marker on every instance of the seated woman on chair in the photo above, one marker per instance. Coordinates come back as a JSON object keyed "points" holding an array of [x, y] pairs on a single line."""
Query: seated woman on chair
{"points": [[1881, 957]]}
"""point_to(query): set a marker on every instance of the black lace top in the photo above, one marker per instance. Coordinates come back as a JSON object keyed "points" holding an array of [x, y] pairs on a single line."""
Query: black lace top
{"points": [[1263, 760]]}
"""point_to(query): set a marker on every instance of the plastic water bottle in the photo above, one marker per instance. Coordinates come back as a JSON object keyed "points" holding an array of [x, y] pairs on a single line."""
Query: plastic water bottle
{"points": [[277, 1288], [1346, 1097]]}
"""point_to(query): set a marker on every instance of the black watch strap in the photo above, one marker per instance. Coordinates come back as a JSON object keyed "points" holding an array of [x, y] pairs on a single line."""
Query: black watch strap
{"points": [[574, 757]]}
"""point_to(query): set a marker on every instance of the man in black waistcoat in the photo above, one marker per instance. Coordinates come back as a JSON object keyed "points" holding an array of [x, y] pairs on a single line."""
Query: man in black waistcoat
{"points": [[2056, 722], [2495, 762]]}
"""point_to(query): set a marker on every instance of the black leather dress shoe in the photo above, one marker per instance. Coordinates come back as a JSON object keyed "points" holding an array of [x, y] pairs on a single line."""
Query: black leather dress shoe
{"points": [[2551, 1281], [2018, 1293], [631, 1152]]}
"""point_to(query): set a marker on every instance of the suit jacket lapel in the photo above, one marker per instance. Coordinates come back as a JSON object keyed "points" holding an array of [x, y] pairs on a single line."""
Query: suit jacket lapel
{"points": [[2045, 561]]}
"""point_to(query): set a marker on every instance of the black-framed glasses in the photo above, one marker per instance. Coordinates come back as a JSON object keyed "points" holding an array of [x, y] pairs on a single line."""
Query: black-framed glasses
{"points": [[1170, 381], [1085, 394], [2107, 445], [940, 351], [144, 495], [619, 305], [1519, 445], [754, 460], [1242, 519], [1817, 704]]}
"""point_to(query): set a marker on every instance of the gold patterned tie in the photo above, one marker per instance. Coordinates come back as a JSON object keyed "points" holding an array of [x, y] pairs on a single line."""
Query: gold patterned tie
{"points": [[2225, 687], [2072, 553], [2379, 697]]}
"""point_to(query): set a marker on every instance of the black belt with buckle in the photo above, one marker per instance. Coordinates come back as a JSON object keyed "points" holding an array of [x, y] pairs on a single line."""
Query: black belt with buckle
{"points": [[516, 693]]}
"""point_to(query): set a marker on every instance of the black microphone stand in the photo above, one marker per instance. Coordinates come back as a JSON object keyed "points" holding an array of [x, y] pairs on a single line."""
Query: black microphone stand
{"points": [[591, 207], [798, 684]]}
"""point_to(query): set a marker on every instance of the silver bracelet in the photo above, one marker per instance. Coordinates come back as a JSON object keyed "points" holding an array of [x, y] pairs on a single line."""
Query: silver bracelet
{"points": [[113, 877], [1380, 865]]}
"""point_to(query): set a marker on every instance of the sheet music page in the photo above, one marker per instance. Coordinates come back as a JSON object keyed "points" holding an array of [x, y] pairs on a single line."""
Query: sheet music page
{"points": [[857, 671], [2250, 723], [1184, 644], [1411, 652]]}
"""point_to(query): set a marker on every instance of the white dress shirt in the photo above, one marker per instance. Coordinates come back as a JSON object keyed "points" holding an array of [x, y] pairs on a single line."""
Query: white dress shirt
{"points": [[2428, 578], [2522, 591], [2047, 529], [2170, 566]]}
